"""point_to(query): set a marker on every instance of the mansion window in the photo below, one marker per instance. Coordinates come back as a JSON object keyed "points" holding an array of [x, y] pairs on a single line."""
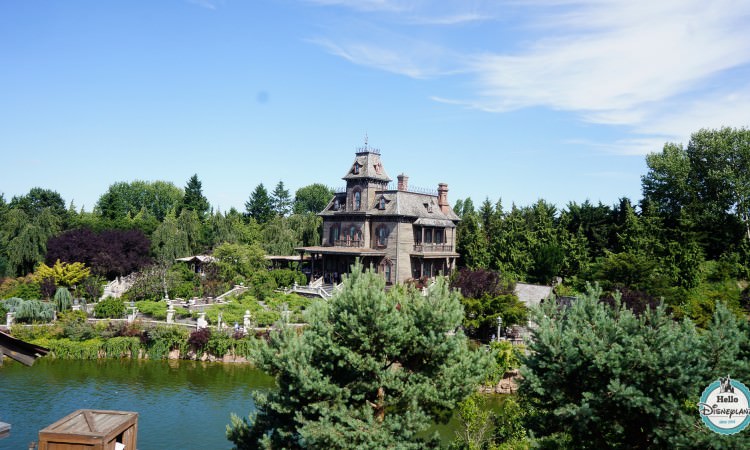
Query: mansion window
{"points": [[354, 233], [334, 236], [381, 235], [429, 235], [357, 203], [382, 203]]}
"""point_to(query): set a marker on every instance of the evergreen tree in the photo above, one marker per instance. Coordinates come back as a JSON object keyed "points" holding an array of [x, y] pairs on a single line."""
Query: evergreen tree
{"points": [[281, 200], [372, 370], [259, 206], [598, 376], [194, 199]]}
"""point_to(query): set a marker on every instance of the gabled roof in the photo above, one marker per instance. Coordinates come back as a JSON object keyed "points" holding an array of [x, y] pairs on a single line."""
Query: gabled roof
{"points": [[367, 165]]}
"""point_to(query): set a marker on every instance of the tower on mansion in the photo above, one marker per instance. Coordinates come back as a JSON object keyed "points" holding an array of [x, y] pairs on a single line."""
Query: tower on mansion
{"points": [[403, 233]]}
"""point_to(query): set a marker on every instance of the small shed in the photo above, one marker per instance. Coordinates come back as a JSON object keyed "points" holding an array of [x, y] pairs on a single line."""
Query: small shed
{"points": [[91, 429]]}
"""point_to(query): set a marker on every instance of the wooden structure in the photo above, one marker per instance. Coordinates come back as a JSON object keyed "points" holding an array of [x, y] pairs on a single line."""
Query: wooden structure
{"points": [[88, 429], [19, 350], [403, 232]]}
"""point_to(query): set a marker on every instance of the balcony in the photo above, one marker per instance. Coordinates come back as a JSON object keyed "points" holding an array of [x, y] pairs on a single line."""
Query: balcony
{"points": [[357, 243], [430, 248]]}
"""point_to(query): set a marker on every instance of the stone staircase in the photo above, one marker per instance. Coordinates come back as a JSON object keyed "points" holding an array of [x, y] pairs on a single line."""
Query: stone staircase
{"points": [[118, 286]]}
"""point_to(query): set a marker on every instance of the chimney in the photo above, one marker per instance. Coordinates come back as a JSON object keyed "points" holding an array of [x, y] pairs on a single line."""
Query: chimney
{"points": [[403, 182], [443, 197]]}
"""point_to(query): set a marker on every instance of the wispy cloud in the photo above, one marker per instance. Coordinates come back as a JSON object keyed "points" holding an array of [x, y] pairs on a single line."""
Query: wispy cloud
{"points": [[208, 4], [655, 68]]}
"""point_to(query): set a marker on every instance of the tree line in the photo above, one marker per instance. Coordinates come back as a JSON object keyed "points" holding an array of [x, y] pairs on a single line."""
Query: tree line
{"points": [[155, 220], [687, 241]]}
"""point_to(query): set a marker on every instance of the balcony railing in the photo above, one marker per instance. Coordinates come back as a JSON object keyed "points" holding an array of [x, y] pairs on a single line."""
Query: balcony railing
{"points": [[427, 248], [349, 243]]}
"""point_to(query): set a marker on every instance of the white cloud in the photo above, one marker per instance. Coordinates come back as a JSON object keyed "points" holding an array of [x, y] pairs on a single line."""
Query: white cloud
{"points": [[657, 68]]}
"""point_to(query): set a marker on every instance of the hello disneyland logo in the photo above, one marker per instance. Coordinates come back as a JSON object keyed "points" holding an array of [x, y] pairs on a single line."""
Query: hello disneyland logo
{"points": [[725, 406]]}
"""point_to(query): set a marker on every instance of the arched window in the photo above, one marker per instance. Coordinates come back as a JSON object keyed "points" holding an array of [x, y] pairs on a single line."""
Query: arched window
{"points": [[357, 200], [381, 234], [354, 233], [334, 236], [386, 268]]}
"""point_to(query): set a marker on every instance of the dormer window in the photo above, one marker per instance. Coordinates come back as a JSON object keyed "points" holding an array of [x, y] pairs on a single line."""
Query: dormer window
{"points": [[336, 204], [428, 206], [355, 169], [381, 205]]}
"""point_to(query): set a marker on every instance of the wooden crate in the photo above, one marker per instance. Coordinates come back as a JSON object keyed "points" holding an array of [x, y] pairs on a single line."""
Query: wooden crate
{"points": [[88, 429]]}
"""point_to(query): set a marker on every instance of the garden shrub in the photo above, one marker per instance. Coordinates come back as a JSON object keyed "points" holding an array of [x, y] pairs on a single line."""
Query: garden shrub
{"points": [[110, 308], [162, 339], [122, 347], [34, 311], [287, 277], [63, 299], [198, 339], [219, 344]]}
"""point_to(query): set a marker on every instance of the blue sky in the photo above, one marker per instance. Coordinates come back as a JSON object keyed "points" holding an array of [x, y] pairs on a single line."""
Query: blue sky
{"points": [[519, 100]]}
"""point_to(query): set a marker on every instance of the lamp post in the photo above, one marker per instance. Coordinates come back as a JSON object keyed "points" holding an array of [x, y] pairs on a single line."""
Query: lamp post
{"points": [[499, 327]]}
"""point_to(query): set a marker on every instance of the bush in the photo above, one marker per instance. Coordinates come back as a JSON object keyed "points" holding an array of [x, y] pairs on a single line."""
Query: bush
{"points": [[109, 308], [199, 339], [74, 325], [63, 299], [160, 340], [262, 284], [287, 277], [34, 311]]}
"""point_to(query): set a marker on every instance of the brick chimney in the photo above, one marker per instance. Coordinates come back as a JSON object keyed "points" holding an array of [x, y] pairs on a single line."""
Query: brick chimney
{"points": [[403, 182], [443, 197]]}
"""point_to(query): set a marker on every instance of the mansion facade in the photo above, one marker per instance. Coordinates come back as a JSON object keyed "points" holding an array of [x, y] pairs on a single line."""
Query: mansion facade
{"points": [[403, 233]]}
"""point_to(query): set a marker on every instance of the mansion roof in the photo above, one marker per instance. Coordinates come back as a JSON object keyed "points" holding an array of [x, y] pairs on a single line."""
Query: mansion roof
{"points": [[423, 207], [367, 165]]}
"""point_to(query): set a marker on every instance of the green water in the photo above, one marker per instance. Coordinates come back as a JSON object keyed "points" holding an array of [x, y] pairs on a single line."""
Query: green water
{"points": [[181, 404]]}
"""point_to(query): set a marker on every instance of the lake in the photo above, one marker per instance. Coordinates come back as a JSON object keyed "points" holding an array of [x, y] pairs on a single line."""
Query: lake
{"points": [[181, 404]]}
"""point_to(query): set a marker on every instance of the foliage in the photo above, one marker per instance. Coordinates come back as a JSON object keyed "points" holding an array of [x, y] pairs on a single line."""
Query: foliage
{"points": [[262, 284], [122, 199], [63, 299], [74, 325], [162, 339], [239, 261], [194, 200], [281, 201], [198, 339], [259, 206], [110, 252], [288, 277], [373, 369], [32, 311], [22, 287], [599, 376], [25, 237], [480, 282], [312, 198], [482, 314], [505, 357], [39, 200], [63, 273], [476, 427], [109, 308]]}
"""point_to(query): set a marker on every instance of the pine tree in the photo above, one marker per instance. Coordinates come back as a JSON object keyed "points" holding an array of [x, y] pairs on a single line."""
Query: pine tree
{"points": [[194, 199], [281, 200], [259, 206], [599, 376], [372, 370]]}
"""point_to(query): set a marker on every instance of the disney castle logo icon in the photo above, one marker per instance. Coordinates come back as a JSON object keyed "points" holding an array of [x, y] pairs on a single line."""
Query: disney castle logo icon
{"points": [[725, 406]]}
